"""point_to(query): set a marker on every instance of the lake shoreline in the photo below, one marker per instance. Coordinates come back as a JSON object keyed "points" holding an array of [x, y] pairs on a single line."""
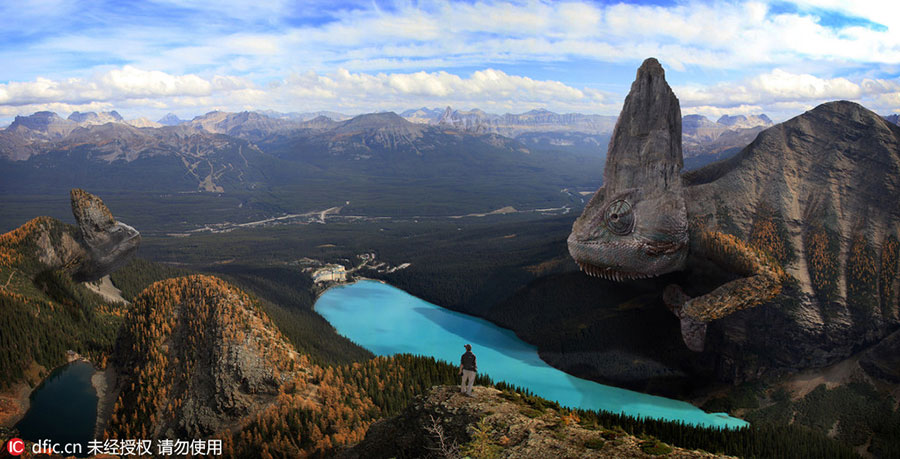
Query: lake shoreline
{"points": [[104, 383], [411, 328], [696, 401], [16, 401], [63, 405]]}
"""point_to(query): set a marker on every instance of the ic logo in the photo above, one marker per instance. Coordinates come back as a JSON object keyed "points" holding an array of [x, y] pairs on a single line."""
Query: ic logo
{"points": [[15, 446]]}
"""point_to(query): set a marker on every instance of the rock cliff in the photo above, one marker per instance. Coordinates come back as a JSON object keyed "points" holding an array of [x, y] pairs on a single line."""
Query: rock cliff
{"points": [[108, 244]]}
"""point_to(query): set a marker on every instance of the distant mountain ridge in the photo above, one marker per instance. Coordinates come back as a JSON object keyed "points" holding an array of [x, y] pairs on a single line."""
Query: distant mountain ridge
{"points": [[540, 128], [702, 137], [170, 119], [222, 151], [512, 125], [89, 118]]}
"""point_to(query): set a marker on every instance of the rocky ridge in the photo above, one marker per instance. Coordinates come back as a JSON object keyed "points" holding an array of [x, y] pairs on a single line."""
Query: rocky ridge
{"points": [[512, 125], [92, 118], [493, 423], [53, 314]]}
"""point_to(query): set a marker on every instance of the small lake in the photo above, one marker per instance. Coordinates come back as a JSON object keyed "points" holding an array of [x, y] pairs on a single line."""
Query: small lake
{"points": [[387, 321], [63, 408]]}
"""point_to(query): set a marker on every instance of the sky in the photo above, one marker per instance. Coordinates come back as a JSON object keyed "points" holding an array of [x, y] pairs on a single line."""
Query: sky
{"points": [[189, 57]]}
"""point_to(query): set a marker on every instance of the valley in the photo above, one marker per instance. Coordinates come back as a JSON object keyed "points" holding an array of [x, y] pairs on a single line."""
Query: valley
{"points": [[259, 214]]}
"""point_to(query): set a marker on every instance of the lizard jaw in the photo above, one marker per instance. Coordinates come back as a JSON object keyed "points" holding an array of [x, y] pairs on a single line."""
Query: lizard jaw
{"points": [[611, 274]]}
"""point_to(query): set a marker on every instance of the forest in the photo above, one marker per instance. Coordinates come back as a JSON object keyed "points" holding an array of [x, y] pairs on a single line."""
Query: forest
{"points": [[354, 394], [44, 312], [521, 264]]}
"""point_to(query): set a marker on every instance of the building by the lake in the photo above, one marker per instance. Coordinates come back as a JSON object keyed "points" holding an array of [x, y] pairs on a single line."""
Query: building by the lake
{"points": [[330, 273]]}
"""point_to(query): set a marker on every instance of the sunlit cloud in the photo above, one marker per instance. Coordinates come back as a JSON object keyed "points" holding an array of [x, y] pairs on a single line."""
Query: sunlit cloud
{"points": [[130, 87]]}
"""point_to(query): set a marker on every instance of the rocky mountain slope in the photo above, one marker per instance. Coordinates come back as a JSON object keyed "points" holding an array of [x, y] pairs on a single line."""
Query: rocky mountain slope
{"points": [[245, 125], [196, 357], [143, 122], [819, 192]]}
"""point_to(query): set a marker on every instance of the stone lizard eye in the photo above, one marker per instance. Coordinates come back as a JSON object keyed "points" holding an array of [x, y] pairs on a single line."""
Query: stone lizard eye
{"points": [[619, 218]]}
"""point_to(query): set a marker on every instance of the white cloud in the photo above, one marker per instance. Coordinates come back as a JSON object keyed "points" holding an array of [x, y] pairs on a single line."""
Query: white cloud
{"points": [[117, 85], [782, 86], [402, 90], [783, 93], [131, 88], [398, 55], [437, 34]]}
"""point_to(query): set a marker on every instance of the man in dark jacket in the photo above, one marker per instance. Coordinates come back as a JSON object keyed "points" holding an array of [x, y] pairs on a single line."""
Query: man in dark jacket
{"points": [[467, 368]]}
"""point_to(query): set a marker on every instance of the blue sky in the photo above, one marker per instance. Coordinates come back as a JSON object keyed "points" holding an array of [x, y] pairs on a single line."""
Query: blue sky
{"points": [[193, 56]]}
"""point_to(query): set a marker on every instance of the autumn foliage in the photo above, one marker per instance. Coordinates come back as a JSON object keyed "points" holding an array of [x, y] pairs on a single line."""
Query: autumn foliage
{"points": [[769, 235], [43, 311], [890, 255], [822, 248], [175, 324], [862, 275]]}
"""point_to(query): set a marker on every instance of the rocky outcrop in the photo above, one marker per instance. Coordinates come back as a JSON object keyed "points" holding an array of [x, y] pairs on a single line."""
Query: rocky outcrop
{"points": [[445, 423], [201, 355], [646, 143], [96, 247], [108, 244]]}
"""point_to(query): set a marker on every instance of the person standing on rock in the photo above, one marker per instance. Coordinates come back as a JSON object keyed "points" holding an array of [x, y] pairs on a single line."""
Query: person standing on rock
{"points": [[467, 369]]}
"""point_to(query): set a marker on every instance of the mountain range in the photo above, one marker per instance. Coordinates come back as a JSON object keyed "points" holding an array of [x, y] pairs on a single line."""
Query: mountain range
{"points": [[296, 160], [537, 129], [701, 136]]}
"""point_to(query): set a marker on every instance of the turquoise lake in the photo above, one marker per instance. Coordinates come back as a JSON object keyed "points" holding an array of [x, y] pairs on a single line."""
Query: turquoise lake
{"points": [[387, 321], [63, 408]]}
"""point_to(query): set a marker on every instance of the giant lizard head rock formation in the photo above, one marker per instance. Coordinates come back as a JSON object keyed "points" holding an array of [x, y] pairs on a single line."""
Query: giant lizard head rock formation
{"points": [[107, 244], [97, 246], [635, 226], [800, 229]]}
